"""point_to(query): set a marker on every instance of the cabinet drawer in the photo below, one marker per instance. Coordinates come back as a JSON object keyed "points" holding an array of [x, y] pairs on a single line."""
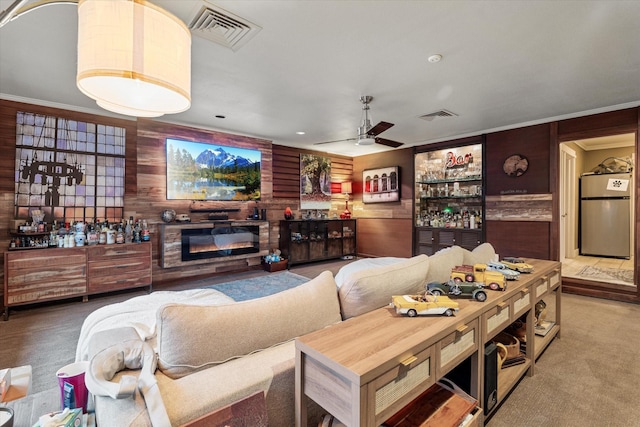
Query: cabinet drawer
{"points": [[117, 251], [496, 319], [521, 302], [114, 282], [457, 346], [48, 275], [554, 279], [398, 386], [541, 287], [113, 274]]}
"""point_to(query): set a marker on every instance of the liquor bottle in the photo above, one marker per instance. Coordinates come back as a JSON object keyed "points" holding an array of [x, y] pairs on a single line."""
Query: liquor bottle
{"points": [[137, 233], [128, 231], [111, 235], [93, 235], [146, 234], [120, 234], [102, 237]]}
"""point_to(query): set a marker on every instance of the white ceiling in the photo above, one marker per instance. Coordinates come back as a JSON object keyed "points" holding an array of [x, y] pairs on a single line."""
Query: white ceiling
{"points": [[505, 64]]}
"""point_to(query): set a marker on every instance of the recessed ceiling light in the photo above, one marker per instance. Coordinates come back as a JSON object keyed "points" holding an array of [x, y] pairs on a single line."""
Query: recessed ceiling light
{"points": [[300, 132], [220, 116], [435, 58]]}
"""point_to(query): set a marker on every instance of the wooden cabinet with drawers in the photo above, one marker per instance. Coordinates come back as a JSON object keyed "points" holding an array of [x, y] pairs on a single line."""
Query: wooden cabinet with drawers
{"points": [[115, 267], [367, 368], [32, 276]]}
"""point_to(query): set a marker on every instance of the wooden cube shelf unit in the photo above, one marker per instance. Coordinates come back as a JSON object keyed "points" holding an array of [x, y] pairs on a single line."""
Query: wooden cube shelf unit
{"points": [[319, 239]]}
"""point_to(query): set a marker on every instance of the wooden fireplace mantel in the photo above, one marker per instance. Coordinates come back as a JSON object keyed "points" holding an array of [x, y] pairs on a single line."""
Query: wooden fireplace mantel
{"points": [[171, 243]]}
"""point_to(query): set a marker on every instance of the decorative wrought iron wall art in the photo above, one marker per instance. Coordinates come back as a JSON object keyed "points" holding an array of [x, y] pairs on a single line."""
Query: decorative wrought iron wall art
{"points": [[68, 169]]}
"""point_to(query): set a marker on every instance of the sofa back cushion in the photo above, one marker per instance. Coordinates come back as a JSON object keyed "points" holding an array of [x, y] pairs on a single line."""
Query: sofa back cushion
{"points": [[442, 262], [482, 254], [372, 288], [191, 338]]}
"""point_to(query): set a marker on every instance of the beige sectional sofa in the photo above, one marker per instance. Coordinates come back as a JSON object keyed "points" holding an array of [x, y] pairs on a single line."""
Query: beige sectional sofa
{"points": [[210, 356]]}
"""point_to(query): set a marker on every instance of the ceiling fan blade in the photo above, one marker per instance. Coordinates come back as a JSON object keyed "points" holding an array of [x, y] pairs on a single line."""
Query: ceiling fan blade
{"points": [[331, 142], [379, 128], [388, 142]]}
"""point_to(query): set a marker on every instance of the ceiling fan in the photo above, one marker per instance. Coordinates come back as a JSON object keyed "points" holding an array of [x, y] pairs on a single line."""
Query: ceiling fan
{"points": [[367, 134]]}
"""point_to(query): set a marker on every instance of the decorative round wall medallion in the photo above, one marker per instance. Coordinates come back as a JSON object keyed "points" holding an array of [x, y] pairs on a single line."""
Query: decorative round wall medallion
{"points": [[515, 165]]}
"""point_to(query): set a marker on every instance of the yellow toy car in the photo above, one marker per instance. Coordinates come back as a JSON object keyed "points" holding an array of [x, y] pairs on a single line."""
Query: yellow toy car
{"points": [[423, 304], [517, 264]]}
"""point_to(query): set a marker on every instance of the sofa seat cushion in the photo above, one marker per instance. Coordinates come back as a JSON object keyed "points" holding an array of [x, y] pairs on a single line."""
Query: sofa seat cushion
{"points": [[372, 288], [191, 338], [271, 371]]}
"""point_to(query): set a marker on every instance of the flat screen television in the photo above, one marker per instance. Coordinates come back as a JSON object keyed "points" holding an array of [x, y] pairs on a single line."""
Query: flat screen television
{"points": [[205, 171]]}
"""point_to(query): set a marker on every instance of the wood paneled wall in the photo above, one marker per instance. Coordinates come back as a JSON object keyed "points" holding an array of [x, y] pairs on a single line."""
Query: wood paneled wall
{"points": [[8, 111], [385, 229], [531, 142], [286, 184], [519, 210], [388, 237], [150, 199]]}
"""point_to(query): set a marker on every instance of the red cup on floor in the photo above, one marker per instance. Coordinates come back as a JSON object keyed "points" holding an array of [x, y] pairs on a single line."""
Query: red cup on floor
{"points": [[73, 391]]}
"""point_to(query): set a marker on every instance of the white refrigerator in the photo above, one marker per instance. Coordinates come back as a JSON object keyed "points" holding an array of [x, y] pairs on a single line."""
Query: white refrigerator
{"points": [[605, 215]]}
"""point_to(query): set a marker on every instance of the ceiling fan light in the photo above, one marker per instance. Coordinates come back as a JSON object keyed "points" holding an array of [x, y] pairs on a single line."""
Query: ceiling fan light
{"points": [[366, 141], [134, 58]]}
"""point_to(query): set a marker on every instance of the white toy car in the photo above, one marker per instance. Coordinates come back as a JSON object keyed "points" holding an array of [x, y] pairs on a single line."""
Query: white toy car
{"points": [[502, 268]]}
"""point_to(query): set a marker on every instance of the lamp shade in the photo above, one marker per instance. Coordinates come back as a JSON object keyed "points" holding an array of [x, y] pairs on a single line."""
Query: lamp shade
{"points": [[134, 58], [346, 188]]}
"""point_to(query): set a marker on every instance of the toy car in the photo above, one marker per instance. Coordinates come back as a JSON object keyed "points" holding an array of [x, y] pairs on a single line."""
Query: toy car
{"points": [[517, 264], [509, 274], [426, 303], [480, 274], [472, 289]]}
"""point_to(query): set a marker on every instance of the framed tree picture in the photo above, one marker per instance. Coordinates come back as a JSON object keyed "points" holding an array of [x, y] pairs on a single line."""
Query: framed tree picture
{"points": [[381, 185], [315, 182]]}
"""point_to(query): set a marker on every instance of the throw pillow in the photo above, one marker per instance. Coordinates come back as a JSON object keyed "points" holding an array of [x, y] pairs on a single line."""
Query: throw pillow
{"points": [[191, 338]]}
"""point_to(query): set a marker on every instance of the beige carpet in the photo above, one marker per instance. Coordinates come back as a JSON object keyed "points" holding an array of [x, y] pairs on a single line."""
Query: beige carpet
{"points": [[588, 377]]}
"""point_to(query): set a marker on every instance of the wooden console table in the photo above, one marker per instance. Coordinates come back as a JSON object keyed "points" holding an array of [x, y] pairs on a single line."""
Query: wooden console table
{"points": [[365, 369]]}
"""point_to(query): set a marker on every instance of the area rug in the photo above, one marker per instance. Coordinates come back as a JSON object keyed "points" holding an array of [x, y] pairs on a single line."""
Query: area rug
{"points": [[603, 273], [256, 287]]}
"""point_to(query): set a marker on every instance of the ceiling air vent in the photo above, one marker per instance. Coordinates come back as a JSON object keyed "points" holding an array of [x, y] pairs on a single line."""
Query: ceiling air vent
{"points": [[222, 27], [441, 113]]}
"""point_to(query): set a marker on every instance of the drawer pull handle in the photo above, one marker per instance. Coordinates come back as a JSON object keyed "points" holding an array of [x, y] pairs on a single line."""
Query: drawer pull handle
{"points": [[524, 291], [409, 360], [461, 328], [501, 305]]}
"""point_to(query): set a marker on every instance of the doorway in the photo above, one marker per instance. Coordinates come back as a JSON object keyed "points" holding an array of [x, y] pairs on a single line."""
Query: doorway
{"points": [[584, 156]]}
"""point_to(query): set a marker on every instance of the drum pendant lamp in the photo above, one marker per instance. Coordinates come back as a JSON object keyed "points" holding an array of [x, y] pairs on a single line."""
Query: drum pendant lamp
{"points": [[134, 58]]}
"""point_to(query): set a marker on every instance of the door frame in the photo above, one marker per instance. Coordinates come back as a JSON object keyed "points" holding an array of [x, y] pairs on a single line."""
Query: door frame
{"points": [[568, 201]]}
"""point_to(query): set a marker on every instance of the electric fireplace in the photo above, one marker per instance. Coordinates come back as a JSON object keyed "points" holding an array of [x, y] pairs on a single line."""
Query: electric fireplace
{"points": [[221, 240]]}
